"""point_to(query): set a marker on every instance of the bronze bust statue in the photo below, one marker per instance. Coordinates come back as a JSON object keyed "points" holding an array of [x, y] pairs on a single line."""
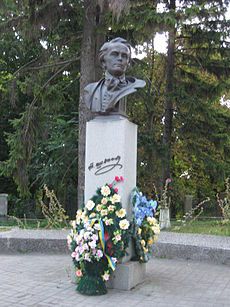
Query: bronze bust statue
{"points": [[108, 95]]}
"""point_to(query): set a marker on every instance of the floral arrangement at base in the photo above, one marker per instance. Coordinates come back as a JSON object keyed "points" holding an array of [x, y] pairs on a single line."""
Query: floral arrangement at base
{"points": [[145, 225], [98, 239]]}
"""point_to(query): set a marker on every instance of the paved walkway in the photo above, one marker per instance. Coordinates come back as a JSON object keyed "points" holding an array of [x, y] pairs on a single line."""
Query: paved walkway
{"points": [[44, 280]]}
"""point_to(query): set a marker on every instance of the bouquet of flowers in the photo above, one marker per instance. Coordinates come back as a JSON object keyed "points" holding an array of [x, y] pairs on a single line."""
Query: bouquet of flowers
{"points": [[98, 239], [145, 225]]}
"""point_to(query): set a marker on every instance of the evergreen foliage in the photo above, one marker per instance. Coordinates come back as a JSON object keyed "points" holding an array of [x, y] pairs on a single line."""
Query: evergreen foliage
{"points": [[182, 124]]}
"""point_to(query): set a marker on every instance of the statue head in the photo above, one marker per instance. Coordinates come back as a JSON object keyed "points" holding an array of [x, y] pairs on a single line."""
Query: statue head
{"points": [[115, 56]]}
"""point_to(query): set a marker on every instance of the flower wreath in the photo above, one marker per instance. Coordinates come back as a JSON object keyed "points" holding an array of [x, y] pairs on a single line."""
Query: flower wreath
{"points": [[145, 225], [99, 237]]}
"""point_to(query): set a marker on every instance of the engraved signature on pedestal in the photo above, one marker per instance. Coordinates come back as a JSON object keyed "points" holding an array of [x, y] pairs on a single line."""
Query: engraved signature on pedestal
{"points": [[106, 165]]}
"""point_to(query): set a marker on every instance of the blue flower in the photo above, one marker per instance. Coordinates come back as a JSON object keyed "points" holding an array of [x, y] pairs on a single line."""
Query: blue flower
{"points": [[143, 208]]}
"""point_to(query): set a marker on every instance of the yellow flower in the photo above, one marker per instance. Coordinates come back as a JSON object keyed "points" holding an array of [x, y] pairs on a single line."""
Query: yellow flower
{"points": [[156, 229], [73, 224], [121, 213], [99, 207], [124, 224], [151, 220], [85, 219], [79, 213], [104, 212], [150, 241], [139, 231], [145, 250], [115, 198], [142, 242]]}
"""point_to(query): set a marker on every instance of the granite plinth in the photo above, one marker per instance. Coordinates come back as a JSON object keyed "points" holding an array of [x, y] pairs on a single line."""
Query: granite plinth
{"points": [[127, 275]]}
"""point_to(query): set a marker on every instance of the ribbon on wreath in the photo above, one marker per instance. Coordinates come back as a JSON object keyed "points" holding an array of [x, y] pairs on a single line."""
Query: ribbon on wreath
{"points": [[102, 241]]}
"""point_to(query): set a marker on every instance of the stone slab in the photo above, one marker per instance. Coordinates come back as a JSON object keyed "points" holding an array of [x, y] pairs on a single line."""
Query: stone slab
{"points": [[206, 248], [127, 275], [111, 150], [191, 252], [3, 204]]}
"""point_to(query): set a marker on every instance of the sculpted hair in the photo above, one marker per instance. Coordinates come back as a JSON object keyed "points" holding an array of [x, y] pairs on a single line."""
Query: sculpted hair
{"points": [[105, 47]]}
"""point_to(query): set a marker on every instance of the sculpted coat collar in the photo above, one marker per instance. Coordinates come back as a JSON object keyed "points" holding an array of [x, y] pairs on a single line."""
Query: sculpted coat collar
{"points": [[100, 99], [114, 83]]}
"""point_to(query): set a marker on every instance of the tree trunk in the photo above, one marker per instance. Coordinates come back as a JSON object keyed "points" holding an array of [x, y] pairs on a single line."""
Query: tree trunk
{"points": [[169, 100], [89, 73]]}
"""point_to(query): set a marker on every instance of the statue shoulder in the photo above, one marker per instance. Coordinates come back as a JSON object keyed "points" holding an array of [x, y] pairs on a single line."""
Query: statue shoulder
{"points": [[136, 83], [92, 86]]}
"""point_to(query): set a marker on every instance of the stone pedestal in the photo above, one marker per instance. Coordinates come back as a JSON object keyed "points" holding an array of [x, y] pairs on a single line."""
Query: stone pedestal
{"points": [[3, 204], [127, 275], [111, 150], [188, 203], [164, 219]]}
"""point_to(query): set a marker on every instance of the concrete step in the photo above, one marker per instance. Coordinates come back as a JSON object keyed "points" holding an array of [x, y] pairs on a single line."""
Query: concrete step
{"points": [[170, 245]]}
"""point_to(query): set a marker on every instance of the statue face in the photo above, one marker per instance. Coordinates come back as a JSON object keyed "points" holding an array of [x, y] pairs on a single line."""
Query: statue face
{"points": [[116, 59]]}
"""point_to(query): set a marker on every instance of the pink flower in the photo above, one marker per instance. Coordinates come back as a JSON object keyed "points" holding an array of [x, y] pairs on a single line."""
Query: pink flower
{"points": [[121, 178], [117, 178], [168, 180], [74, 254], [99, 254], [79, 273], [116, 190], [110, 185]]}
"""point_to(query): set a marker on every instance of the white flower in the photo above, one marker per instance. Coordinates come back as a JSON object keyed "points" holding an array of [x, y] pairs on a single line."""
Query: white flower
{"points": [[156, 229], [97, 226], [73, 224], [99, 253], [92, 244], [105, 190], [87, 235], [104, 201], [79, 213], [87, 257], [90, 204], [121, 213], [69, 240], [115, 198], [124, 224], [105, 276], [94, 237], [111, 208], [118, 237], [109, 222], [86, 247]]}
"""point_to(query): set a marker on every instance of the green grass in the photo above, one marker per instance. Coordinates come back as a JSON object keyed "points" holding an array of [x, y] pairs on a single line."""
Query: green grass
{"points": [[205, 226], [210, 227], [2, 229]]}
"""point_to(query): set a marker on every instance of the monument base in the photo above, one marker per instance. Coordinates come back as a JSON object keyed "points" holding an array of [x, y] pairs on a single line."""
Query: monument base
{"points": [[127, 275]]}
